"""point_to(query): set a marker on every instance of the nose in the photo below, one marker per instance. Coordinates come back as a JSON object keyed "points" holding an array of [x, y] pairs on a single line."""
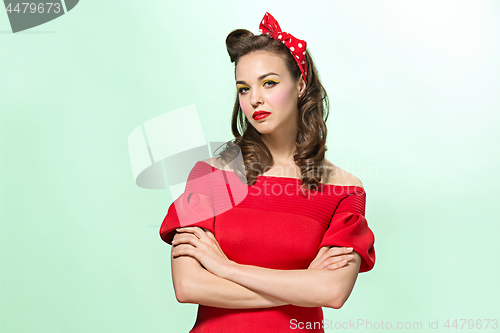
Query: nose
{"points": [[256, 97]]}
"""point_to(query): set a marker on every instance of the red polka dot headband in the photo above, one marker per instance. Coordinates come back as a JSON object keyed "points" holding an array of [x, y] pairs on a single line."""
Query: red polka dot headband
{"points": [[270, 26]]}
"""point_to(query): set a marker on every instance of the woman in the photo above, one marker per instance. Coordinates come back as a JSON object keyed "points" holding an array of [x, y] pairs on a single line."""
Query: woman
{"points": [[267, 254]]}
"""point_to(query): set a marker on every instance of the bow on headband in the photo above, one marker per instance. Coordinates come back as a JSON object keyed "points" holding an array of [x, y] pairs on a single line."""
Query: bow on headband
{"points": [[297, 47]]}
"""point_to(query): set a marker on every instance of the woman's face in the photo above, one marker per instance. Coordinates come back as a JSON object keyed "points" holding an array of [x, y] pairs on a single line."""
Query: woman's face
{"points": [[264, 84]]}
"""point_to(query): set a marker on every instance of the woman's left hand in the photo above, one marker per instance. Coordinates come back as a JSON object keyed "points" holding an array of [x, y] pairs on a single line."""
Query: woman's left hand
{"points": [[204, 248]]}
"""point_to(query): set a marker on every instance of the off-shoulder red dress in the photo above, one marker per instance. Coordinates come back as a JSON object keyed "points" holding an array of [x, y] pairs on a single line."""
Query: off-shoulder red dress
{"points": [[269, 224]]}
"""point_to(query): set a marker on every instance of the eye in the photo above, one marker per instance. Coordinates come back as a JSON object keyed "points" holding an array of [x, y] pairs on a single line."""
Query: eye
{"points": [[273, 83], [241, 90]]}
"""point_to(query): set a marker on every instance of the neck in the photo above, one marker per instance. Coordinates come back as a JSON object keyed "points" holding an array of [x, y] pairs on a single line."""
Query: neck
{"points": [[281, 144]]}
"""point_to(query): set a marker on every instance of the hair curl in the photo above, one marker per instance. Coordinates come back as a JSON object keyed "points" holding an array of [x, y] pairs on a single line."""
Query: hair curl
{"points": [[313, 112]]}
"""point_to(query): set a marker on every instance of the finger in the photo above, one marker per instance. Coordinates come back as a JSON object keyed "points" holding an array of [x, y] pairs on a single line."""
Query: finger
{"points": [[197, 231], [211, 236], [337, 250], [328, 251], [199, 239], [319, 258], [187, 239], [177, 235], [215, 242], [322, 252], [186, 251], [336, 259], [182, 234], [337, 265], [205, 237]]}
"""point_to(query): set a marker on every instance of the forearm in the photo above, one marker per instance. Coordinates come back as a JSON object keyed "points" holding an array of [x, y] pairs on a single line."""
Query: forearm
{"points": [[300, 287], [197, 285]]}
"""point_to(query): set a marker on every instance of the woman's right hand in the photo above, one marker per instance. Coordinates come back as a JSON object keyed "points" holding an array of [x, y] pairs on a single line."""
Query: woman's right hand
{"points": [[331, 257]]}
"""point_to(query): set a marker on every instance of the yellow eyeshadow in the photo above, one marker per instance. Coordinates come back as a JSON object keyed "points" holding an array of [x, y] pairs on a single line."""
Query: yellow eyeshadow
{"points": [[239, 87], [269, 81]]}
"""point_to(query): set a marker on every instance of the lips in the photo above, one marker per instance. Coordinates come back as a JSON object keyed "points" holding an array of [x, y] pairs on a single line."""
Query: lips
{"points": [[260, 114]]}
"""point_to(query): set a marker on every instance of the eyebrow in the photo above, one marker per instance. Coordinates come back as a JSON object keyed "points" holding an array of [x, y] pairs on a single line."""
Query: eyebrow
{"points": [[260, 77]]}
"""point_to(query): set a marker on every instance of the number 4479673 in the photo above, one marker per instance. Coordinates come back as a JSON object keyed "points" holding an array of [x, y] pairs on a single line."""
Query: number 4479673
{"points": [[472, 324]]}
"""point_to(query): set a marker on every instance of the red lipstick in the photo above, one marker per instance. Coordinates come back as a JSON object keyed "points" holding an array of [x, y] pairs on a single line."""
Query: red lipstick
{"points": [[260, 114]]}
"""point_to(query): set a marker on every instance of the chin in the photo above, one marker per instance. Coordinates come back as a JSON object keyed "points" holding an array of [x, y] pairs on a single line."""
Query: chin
{"points": [[263, 128], [264, 131]]}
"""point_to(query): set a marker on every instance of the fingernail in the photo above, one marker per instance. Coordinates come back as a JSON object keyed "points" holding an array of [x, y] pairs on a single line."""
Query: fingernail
{"points": [[349, 249]]}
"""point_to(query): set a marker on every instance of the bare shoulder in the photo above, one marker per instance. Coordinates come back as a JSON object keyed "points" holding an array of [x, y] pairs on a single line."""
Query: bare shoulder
{"points": [[338, 176], [209, 161], [217, 163]]}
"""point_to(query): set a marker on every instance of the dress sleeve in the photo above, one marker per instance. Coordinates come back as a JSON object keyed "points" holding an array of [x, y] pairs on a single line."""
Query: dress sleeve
{"points": [[194, 207], [349, 228]]}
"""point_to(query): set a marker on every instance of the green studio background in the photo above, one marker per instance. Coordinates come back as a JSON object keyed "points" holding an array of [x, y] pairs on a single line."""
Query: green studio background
{"points": [[413, 87]]}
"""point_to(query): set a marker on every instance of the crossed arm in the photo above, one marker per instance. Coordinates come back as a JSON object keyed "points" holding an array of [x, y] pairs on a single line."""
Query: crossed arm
{"points": [[247, 286]]}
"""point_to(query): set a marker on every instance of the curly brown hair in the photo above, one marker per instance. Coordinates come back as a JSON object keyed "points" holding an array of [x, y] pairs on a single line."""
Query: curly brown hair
{"points": [[313, 112]]}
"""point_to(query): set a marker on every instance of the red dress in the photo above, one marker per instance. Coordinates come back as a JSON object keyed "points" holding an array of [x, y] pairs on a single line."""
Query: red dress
{"points": [[269, 224]]}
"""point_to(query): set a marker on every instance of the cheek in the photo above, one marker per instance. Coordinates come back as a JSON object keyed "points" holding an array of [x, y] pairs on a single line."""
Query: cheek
{"points": [[280, 98], [244, 108]]}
